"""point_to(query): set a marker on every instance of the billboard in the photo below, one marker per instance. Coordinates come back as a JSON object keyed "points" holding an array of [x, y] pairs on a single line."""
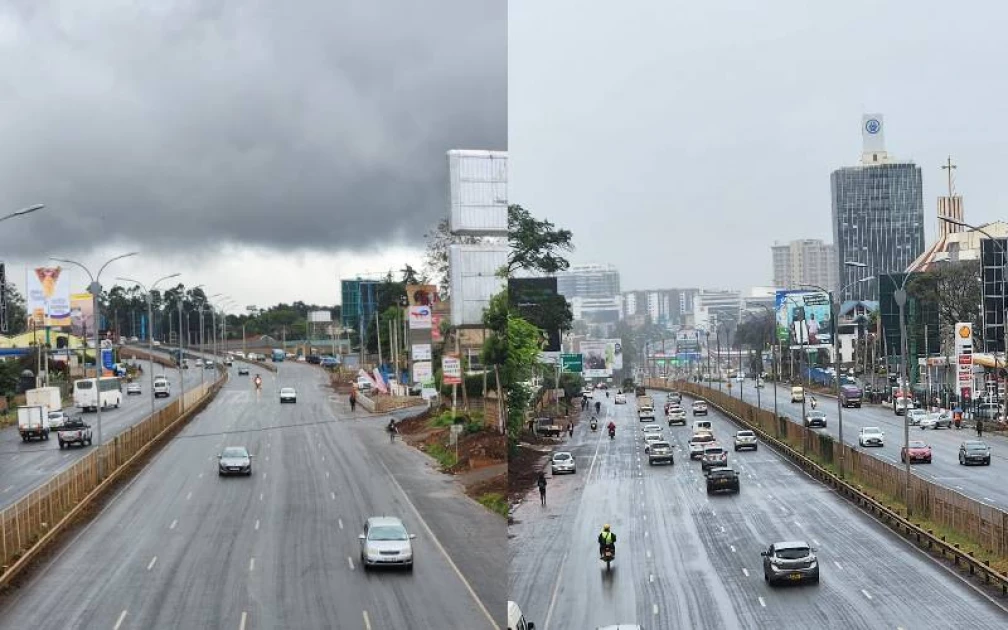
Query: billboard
{"points": [[3, 297], [477, 192], [594, 359], [48, 296], [451, 370], [614, 353], [421, 294], [803, 319], [535, 299], [420, 317], [82, 314], [963, 334], [319, 317], [474, 278], [423, 373], [421, 352]]}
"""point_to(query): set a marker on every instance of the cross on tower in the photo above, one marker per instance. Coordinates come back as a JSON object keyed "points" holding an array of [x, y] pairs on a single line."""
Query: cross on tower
{"points": [[949, 166]]}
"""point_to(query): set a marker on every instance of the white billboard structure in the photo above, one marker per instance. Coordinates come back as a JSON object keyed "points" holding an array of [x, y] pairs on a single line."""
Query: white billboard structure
{"points": [[478, 192], [474, 279], [319, 317]]}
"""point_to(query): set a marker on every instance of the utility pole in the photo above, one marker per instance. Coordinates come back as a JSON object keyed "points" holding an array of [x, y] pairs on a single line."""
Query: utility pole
{"points": [[901, 297]]}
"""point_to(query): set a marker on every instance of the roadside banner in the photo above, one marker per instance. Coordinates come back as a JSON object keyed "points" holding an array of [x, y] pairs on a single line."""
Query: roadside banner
{"points": [[420, 317], [421, 352], [423, 373], [48, 296], [451, 370]]}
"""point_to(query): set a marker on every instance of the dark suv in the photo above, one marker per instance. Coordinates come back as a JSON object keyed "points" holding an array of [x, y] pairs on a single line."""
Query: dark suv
{"points": [[793, 561], [722, 480]]}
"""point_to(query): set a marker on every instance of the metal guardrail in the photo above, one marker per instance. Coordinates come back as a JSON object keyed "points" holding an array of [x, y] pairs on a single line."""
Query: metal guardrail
{"points": [[33, 522], [893, 520]]}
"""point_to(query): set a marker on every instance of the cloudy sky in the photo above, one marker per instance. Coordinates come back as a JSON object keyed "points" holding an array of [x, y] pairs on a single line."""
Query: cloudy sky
{"points": [[261, 148], [679, 140]]}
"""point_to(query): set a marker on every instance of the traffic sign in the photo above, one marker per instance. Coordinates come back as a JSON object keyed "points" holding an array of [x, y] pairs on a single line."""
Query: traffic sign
{"points": [[572, 363]]}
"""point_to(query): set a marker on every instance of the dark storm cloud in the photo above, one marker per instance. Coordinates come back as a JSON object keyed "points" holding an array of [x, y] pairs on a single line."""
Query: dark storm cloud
{"points": [[315, 124]]}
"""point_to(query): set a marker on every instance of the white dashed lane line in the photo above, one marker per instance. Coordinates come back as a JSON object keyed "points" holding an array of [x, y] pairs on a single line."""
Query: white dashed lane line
{"points": [[866, 594], [150, 565], [119, 621]]}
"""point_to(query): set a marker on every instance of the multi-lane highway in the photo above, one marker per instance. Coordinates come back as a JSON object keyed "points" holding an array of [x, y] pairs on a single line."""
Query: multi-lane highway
{"points": [[26, 465], [180, 547], [686, 560], [984, 483]]}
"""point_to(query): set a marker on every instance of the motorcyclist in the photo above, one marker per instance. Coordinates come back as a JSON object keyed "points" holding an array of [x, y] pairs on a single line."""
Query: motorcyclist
{"points": [[594, 423], [606, 539], [813, 402], [612, 428]]}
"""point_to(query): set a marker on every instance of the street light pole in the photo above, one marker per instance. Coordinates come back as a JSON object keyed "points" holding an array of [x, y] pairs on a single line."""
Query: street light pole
{"points": [[150, 338], [95, 289], [901, 297]]}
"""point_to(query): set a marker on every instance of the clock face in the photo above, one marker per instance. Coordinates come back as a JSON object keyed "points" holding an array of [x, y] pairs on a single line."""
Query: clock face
{"points": [[873, 126]]}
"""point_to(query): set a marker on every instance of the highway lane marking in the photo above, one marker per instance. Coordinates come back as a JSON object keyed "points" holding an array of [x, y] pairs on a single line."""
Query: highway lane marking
{"points": [[151, 564], [188, 496], [201, 475], [333, 495], [257, 525], [556, 589], [444, 552], [260, 496], [119, 621], [367, 621], [745, 571], [654, 607], [244, 618], [722, 527], [267, 458], [651, 578], [251, 564], [327, 474], [797, 524], [761, 602], [838, 565], [645, 534], [340, 521], [350, 562], [732, 547], [264, 475], [648, 554], [173, 524], [866, 594], [988, 500], [7, 489], [815, 542]]}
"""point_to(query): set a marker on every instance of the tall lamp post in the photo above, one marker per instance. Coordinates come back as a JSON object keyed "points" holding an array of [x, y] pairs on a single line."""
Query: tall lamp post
{"points": [[900, 296], [773, 349], [834, 317], [95, 289], [150, 316], [709, 376], [1004, 302]]}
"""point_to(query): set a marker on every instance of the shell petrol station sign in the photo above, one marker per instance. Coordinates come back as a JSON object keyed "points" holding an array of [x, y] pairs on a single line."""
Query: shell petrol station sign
{"points": [[964, 358]]}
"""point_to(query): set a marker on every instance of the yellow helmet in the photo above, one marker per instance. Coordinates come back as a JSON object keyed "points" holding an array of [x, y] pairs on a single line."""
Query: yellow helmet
{"points": [[605, 527]]}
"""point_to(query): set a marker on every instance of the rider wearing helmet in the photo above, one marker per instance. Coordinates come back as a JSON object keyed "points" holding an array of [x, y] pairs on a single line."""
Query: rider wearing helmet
{"points": [[606, 539]]}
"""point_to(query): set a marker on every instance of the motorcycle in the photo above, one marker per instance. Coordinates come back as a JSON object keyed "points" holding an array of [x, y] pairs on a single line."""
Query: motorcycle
{"points": [[612, 434], [258, 383], [608, 555], [594, 426]]}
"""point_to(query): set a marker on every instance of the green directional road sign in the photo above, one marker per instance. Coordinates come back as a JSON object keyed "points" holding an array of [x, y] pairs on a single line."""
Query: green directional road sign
{"points": [[572, 363]]}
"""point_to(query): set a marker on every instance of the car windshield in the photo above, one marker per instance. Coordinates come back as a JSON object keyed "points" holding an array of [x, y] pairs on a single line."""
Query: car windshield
{"points": [[976, 446], [702, 438], [387, 532], [234, 452], [713, 451], [658, 445], [287, 390], [745, 434], [55, 414], [917, 444], [871, 430], [817, 414], [722, 472], [793, 553], [560, 456]]}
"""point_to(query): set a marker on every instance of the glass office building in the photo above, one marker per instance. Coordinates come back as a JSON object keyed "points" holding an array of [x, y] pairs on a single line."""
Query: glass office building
{"points": [[878, 219]]}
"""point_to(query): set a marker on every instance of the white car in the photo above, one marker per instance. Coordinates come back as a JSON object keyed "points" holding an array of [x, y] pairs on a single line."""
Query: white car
{"points": [[133, 388], [651, 428], [620, 399], [288, 394], [651, 438], [914, 416], [385, 542], [871, 436], [745, 439], [935, 421], [563, 462], [57, 419]]}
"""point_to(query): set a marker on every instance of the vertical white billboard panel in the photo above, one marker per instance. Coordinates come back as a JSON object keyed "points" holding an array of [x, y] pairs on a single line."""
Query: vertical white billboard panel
{"points": [[478, 192], [474, 279]]}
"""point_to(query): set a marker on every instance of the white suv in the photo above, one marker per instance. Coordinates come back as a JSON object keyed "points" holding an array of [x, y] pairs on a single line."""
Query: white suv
{"points": [[161, 387]]}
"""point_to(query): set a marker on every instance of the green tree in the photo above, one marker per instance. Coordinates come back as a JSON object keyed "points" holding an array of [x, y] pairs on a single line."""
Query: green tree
{"points": [[954, 288], [17, 312], [535, 244]]}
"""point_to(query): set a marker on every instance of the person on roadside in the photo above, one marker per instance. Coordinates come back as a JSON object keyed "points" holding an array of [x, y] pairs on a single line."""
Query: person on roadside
{"points": [[541, 482], [570, 428], [979, 427], [353, 401]]}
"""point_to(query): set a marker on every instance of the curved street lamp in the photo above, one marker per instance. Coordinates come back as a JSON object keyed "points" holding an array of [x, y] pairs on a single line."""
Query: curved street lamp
{"points": [[150, 318]]}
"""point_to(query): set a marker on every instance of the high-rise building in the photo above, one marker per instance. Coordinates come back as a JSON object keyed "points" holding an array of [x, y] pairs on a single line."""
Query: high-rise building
{"points": [[878, 215], [665, 307], [589, 281], [806, 261]]}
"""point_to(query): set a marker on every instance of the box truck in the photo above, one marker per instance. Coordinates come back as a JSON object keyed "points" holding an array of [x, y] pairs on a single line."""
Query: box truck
{"points": [[33, 422], [50, 397]]}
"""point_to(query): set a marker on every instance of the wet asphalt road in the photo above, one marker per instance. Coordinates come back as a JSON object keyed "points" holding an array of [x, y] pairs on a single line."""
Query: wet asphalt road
{"points": [[26, 465], [180, 547], [686, 560], [984, 483]]}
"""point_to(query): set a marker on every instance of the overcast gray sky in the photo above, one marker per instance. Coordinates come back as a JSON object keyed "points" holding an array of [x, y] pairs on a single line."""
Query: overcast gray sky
{"points": [[678, 140], [306, 138]]}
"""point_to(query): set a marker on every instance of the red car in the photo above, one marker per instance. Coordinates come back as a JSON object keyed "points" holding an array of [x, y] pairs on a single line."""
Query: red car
{"points": [[919, 452]]}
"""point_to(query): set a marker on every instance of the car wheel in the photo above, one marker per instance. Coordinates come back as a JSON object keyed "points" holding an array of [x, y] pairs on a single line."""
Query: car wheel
{"points": [[987, 463], [61, 443], [409, 567], [961, 462]]}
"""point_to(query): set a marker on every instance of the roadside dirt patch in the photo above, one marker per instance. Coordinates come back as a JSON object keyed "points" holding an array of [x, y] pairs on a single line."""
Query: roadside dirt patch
{"points": [[523, 469]]}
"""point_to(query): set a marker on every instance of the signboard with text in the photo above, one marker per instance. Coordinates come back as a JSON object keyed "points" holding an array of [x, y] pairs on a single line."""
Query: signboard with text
{"points": [[451, 370], [963, 334], [571, 363]]}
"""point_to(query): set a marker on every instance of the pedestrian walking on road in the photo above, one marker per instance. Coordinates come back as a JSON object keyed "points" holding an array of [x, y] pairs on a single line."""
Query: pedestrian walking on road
{"points": [[979, 428], [542, 488], [570, 428], [353, 401]]}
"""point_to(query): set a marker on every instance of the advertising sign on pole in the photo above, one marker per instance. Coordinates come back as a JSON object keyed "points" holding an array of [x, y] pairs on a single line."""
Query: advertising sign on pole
{"points": [[423, 373], [420, 317], [422, 294], [614, 353], [804, 319], [594, 359], [451, 370], [48, 296], [963, 334], [421, 352]]}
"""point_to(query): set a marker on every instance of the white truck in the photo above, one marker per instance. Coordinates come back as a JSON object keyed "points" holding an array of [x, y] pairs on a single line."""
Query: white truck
{"points": [[33, 422], [645, 408], [50, 397]]}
